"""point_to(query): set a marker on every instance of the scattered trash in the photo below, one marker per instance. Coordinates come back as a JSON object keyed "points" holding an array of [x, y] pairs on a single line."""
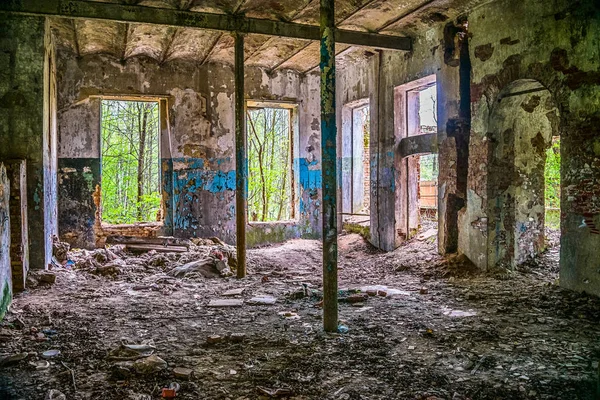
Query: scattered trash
{"points": [[171, 391], [41, 364], [262, 300], [50, 353], [342, 329], [423, 290]]}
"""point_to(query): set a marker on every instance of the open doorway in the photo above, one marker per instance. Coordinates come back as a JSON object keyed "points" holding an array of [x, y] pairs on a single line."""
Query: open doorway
{"points": [[356, 199], [271, 178], [524, 175], [415, 112], [130, 169]]}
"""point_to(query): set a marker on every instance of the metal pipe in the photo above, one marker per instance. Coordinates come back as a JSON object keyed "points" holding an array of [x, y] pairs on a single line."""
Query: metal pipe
{"points": [[241, 159], [329, 166]]}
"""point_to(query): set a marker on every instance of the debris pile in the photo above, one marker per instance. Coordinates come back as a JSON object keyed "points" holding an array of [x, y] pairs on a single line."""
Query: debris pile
{"points": [[204, 258]]}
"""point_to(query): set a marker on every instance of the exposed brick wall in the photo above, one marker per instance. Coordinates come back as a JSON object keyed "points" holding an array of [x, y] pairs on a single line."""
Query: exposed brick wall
{"points": [[19, 239]]}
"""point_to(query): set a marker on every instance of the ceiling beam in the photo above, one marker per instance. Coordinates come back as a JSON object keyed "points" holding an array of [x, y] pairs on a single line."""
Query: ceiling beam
{"points": [[304, 47], [199, 20]]}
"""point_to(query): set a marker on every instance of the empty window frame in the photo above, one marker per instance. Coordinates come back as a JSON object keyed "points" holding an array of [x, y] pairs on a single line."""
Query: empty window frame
{"points": [[355, 162], [130, 161], [270, 131], [422, 120]]}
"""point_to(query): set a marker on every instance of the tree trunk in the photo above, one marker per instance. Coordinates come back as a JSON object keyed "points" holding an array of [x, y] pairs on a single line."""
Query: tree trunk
{"points": [[140, 166]]}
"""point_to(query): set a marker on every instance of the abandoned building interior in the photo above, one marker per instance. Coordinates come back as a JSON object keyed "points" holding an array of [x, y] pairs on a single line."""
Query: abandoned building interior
{"points": [[311, 199]]}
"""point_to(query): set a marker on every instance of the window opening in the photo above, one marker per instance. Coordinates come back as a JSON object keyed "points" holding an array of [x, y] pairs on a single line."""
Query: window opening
{"points": [[270, 166], [130, 161], [552, 186], [356, 183]]}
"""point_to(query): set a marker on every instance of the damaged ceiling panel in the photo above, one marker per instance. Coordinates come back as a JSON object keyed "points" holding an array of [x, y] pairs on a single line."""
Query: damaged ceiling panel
{"points": [[392, 17], [191, 44], [276, 51], [148, 40], [100, 37]]}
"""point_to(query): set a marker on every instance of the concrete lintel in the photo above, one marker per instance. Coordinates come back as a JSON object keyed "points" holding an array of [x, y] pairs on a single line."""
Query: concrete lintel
{"points": [[199, 20], [419, 144]]}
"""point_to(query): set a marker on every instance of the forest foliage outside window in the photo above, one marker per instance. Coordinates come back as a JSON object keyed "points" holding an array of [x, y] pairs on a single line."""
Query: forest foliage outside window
{"points": [[130, 161], [552, 177], [270, 196]]}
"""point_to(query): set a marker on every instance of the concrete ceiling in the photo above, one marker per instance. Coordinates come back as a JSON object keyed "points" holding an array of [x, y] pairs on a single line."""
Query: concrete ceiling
{"points": [[162, 43]]}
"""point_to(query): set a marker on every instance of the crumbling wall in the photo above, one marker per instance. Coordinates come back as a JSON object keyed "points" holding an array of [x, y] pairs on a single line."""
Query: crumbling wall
{"points": [[558, 48], [198, 158], [26, 125], [5, 269]]}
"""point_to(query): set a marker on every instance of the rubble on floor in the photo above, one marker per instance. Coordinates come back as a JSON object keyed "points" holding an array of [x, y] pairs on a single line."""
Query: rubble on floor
{"points": [[412, 326]]}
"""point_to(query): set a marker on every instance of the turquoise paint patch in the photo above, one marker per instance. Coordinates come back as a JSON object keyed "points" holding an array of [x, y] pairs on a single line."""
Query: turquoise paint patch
{"points": [[309, 178]]}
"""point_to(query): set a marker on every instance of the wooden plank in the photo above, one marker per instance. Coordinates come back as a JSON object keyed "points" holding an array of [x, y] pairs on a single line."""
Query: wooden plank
{"points": [[156, 247], [200, 20]]}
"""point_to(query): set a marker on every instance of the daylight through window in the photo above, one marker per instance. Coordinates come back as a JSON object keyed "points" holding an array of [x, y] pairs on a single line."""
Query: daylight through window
{"points": [[270, 196], [130, 161]]}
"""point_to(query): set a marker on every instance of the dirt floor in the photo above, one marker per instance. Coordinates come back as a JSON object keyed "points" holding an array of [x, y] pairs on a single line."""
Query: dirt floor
{"points": [[441, 331]]}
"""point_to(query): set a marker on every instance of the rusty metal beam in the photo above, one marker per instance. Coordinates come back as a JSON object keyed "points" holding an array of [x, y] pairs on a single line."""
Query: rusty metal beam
{"points": [[329, 167], [241, 159], [199, 20]]}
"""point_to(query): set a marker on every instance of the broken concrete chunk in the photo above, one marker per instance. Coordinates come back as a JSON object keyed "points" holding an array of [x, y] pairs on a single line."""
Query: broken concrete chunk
{"points": [[149, 365], [234, 292], [262, 300], [47, 277], [226, 303], [183, 373], [237, 337], [15, 358], [214, 339]]}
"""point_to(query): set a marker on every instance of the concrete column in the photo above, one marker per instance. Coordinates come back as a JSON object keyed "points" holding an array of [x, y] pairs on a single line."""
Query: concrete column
{"points": [[241, 159], [329, 161]]}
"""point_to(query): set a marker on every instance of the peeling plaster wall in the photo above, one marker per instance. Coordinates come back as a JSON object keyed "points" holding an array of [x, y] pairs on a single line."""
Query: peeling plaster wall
{"points": [[27, 127], [558, 47], [198, 160]]}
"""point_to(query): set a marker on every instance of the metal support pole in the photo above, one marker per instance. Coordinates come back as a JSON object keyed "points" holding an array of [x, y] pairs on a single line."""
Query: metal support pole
{"points": [[241, 159], [329, 167]]}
